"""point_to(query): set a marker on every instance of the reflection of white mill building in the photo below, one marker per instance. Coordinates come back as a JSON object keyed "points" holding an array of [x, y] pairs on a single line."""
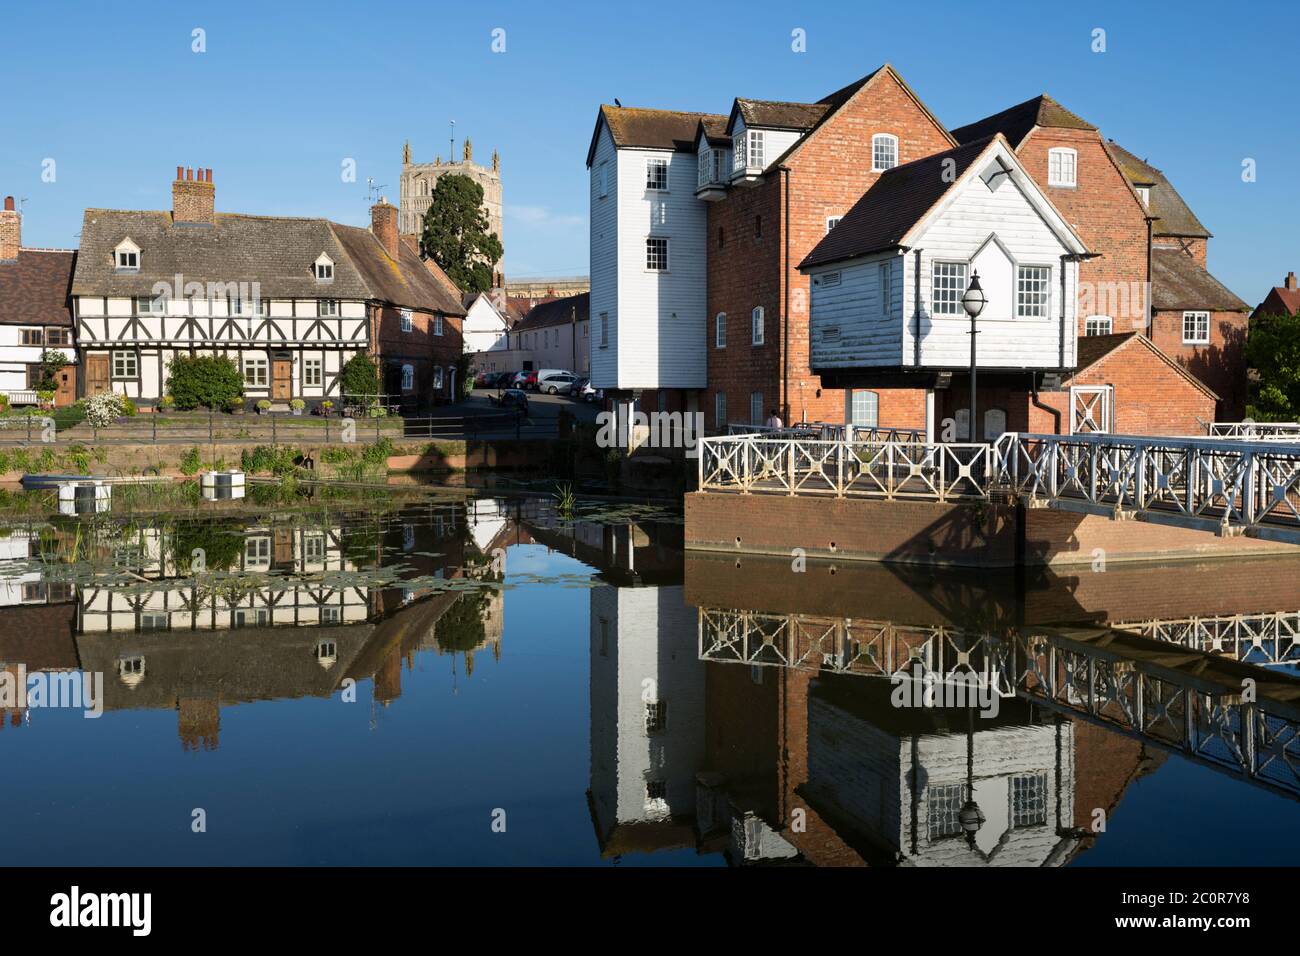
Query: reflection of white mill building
{"points": [[647, 718]]}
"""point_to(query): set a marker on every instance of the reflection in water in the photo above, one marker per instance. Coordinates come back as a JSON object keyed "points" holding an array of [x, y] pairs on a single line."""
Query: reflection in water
{"points": [[713, 711]]}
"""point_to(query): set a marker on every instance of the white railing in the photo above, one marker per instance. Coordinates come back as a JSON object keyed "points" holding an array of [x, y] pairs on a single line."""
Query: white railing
{"points": [[758, 464], [830, 431], [1230, 484], [1254, 431], [21, 396]]}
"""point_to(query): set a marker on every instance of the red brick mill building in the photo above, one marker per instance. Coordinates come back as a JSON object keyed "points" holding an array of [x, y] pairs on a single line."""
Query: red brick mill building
{"points": [[700, 222]]}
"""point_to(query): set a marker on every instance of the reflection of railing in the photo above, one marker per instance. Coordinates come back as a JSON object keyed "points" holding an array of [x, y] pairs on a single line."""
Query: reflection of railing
{"points": [[1180, 700], [1254, 431], [872, 469], [1263, 639], [1213, 484]]}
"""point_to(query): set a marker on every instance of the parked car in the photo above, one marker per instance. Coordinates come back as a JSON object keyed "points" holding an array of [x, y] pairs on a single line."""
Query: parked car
{"points": [[526, 380], [588, 392], [484, 379], [556, 383], [515, 398]]}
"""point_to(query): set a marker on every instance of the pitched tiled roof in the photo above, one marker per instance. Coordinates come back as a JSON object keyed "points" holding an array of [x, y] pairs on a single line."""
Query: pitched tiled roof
{"points": [[776, 115], [1175, 216], [555, 312], [277, 253], [1289, 298], [654, 129], [35, 289], [405, 281], [1017, 122], [1179, 282], [893, 204], [1093, 348]]}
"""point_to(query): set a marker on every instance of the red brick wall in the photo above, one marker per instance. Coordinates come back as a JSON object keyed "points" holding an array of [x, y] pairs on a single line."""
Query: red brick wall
{"points": [[1221, 364], [419, 348], [828, 174], [1108, 218]]}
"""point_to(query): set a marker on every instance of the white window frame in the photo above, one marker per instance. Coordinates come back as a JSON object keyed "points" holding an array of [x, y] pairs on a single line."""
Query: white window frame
{"points": [[1033, 309], [130, 364], [324, 269], [437, 324], [408, 378], [945, 299], [1062, 167], [260, 367], [437, 378], [651, 243], [832, 222], [313, 371], [1196, 315], [407, 323], [871, 400], [126, 256], [720, 330], [1098, 325], [878, 141], [150, 305], [756, 325], [327, 308], [656, 174]]}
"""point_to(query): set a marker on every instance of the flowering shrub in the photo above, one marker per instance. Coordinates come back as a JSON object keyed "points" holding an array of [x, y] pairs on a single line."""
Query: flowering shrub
{"points": [[104, 409]]}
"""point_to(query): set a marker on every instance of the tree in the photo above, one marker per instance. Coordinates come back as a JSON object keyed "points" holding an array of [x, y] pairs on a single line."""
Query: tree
{"points": [[359, 377], [1273, 351], [455, 234], [212, 381]]}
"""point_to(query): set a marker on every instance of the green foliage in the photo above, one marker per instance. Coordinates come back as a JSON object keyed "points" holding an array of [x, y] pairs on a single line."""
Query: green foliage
{"points": [[335, 456], [190, 462], [264, 404], [359, 376], [1273, 351], [51, 361], [377, 453], [455, 234], [278, 460], [208, 381], [461, 626], [79, 457], [128, 408], [221, 544], [298, 404]]}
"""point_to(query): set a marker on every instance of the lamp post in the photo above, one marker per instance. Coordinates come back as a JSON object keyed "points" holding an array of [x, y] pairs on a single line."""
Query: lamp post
{"points": [[973, 301], [970, 816]]}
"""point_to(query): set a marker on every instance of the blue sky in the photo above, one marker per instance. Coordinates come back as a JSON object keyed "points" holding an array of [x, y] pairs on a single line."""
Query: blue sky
{"points": [[287, 91]]}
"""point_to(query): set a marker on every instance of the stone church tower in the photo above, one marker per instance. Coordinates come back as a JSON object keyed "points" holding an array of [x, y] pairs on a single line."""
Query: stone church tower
{"points": [[417, 185]]}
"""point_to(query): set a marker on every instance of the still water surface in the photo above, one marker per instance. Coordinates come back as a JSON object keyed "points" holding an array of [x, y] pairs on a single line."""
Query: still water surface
{"points": [[481, 682]]}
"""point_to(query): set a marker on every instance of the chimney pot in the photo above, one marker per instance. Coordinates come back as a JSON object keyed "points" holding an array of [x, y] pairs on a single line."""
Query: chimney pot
{"points": [[209, 175], [189, 174], [180, 173], [383, 224], [11, 231], [9, 203], [1290, 280], [193, 199]]}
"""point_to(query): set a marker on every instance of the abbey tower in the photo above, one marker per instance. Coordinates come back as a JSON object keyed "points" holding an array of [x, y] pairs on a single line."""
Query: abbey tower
{"points": [[418, 181]]}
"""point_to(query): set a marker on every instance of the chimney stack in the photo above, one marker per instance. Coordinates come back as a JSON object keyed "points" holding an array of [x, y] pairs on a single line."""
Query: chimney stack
{"points": [[383, 223], [11, 231], [1290, 280], [193, 200]]}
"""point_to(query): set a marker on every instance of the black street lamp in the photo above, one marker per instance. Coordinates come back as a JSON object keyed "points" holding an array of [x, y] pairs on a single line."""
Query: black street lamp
{"points": [[973, 302]]}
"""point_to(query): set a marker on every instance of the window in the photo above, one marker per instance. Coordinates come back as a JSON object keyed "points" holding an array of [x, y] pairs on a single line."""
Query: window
{"points": [[656, 174], [328, 307], [437, 378], [943, 803], [1033, 285], [656, 255], [327, 652], [126, 365], [58, 336], [406, 320], [1097, 325], [1144, 193], [1028, 800], [756, 408], [703, 167], [1196, 328], [437, 325], [131, 667], [720, 330], [31, 337], [948, 281], [257, 552], [150, 304], [864, 408], [324, 269], [604, 329], [154, 621], [656, 716], [720, 410], [255, 371], [603, 180], [756, 324], [127, 256], [408, 378], [313, 547], [885, 274], [884, 152], [312, 371], [755, 155], [255, 616], [1062, 167], [832, 222]]}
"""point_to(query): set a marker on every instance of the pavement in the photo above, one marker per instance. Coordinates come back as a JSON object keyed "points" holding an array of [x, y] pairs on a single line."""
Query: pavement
{"points": [[540, 407]]}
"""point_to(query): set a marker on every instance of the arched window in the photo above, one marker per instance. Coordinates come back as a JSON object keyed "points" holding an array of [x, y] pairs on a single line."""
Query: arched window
{"points": [[408, 378], [884, 152]]}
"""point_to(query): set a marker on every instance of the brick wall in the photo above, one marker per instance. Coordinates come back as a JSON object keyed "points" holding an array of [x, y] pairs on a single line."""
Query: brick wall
{"points": [[420, 348], [11, 231], [1220, 364]]}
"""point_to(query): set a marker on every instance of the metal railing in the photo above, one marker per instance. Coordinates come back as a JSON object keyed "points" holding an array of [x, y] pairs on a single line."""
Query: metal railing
{"points": [[1254, 431], [1266, 639], [1213, 484], [873, 469], [830, 431]]}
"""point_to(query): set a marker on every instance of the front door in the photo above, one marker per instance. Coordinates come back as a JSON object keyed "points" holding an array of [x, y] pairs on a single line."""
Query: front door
{"points": [[96, 374], [282, 379], [65, 386]]}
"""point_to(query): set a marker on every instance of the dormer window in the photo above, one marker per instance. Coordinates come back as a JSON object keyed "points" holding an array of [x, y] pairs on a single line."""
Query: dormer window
{"points": [[126, 257], [884, 152], [1144, 193], [324, 269], [1062, 167]]}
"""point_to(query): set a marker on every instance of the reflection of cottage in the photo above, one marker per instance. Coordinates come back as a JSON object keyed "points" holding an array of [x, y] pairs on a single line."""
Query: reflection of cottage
{"points": [[647, 718]]}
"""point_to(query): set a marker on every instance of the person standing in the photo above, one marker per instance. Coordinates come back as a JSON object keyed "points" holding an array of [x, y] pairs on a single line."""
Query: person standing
{"points": [[773, 419]]}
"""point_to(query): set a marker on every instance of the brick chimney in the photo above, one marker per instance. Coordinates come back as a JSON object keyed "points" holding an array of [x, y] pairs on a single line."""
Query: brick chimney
{"points": [[11, 231], [383, 223], [193, 198], [1288, 284]]}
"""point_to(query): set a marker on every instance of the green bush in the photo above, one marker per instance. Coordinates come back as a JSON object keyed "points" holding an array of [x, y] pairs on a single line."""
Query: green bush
{"points": [[190, 462], [359, 376], [377, 453], [208, 381], [128, 408]]}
